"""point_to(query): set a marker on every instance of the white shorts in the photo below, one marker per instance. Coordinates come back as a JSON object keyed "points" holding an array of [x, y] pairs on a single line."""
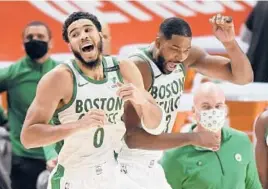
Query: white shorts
{"points": [[147, 175], [103, 176]]}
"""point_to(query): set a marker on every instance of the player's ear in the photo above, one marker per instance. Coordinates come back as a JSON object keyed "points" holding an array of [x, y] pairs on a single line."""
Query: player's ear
{"points": [[157, 42], [101, 35]]}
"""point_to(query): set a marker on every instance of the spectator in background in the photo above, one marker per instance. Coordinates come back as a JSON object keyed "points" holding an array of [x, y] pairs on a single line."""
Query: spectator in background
{"points": [[261, 149], [231, 166], [255, 33], [20, 81], [107, 50]]}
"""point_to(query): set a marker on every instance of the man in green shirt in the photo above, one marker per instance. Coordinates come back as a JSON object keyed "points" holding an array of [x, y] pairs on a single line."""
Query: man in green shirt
{"points": [[232, 166], [20, 81]]}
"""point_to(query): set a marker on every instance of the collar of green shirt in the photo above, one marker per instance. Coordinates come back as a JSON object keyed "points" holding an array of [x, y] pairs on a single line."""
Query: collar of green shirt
{"points": [[34, 64], [225, 135]]}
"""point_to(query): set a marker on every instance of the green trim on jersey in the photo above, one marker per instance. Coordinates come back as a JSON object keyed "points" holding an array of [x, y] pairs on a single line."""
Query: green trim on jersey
{"points": [[104, 80], [56, 121], [59, 146], [116, 63], [55, 180], [65, 106], [183, 68], [149, 54]]}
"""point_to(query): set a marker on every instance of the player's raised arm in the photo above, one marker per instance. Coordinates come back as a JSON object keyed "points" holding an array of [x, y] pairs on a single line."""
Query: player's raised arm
{"points": [[236, 69], [134, 94], [137, 138], [53, 91]]}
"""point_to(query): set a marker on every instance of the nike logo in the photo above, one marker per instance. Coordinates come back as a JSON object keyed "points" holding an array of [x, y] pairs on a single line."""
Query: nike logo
{"points": [[81, 85]]}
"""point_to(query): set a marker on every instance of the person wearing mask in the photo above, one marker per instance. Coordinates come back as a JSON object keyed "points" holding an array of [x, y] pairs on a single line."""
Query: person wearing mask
{"points": [[20, 81], [231, 166]]}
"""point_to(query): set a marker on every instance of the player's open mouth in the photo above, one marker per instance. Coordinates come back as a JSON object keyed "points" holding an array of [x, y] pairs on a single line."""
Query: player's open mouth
{"points": [[171, 66], [87, 48]]}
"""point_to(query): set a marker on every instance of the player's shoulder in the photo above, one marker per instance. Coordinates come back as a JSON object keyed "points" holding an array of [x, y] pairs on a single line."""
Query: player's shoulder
{"points": [[261, 123], [127, 67], [263, 116], [61, 73]]}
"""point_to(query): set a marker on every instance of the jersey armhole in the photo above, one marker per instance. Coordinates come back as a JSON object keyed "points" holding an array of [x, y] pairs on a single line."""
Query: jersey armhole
{"points": [[116, 64], [65, 106], [183, 68]]}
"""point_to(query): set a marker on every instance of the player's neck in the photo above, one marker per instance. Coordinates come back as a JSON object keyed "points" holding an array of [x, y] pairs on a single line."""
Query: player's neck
{"points": [[95, 73], [153, 50]]}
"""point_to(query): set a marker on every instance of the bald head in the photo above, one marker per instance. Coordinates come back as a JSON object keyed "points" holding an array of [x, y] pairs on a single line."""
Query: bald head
{"points": [[106, 38], [208, 95]]}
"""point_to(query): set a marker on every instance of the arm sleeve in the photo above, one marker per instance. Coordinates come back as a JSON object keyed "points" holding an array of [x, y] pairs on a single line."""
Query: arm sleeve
{"points": [[252, 176], [5, 76], [173, 171], [3, 117], [250, 20]]}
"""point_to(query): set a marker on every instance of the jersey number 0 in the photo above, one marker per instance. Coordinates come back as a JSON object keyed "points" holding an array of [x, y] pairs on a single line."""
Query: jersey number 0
{"points": [[98, 137]]}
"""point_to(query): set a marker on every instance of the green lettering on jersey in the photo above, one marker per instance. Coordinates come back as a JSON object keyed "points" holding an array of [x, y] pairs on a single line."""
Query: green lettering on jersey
{"points": [[110, 105], [78, 106], [168, 119], [118, 104], [98, 137], [87, 105], [82, 115]]}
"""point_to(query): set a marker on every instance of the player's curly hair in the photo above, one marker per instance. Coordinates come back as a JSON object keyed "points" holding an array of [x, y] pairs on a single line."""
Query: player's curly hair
{"points": [[77, 16], [175, 26]]}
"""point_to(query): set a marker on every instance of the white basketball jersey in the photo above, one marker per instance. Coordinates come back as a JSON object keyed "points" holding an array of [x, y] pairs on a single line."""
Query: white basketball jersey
{"points": [[166, 90], [95, 145]]}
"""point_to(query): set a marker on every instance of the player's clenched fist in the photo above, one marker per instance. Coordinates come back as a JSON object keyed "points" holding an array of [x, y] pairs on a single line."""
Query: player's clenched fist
{"points": [[223, 27], [128, 92], [93, 118], [207, 139]]}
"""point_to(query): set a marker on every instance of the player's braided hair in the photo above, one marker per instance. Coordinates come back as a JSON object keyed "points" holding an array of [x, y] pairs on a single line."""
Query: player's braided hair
{"points": [[175, 26], [77, 16]]}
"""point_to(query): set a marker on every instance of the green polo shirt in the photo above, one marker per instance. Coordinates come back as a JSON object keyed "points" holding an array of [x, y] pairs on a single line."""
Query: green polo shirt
{"points": [[3, 117], [231, 167], [20, 81]]}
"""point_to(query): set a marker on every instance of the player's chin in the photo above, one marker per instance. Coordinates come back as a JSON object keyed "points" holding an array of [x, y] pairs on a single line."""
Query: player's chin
{"points": [[88, 57]]}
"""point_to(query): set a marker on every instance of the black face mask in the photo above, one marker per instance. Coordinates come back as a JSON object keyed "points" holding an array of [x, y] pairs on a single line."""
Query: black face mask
{"points": [[36, 49]]}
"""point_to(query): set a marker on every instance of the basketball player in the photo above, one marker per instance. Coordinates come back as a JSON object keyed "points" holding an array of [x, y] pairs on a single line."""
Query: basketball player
{"points": [[261, 149], [163, 66], [87, 97]]}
